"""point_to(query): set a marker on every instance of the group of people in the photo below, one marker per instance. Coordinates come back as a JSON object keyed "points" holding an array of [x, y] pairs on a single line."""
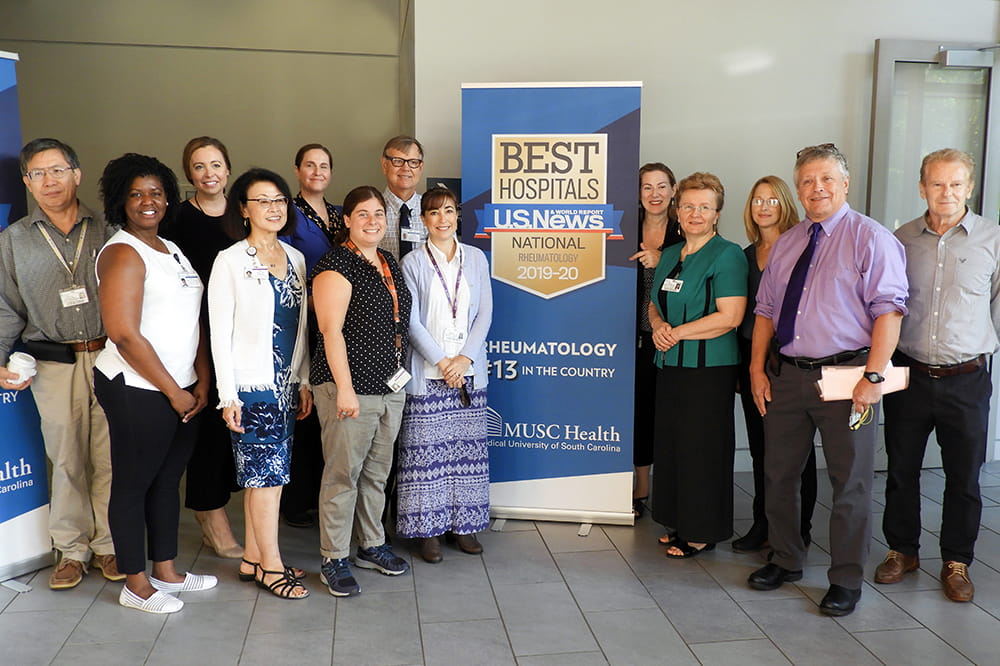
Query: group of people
{"points": [[836, 289], [334, 366], [262, 305]]}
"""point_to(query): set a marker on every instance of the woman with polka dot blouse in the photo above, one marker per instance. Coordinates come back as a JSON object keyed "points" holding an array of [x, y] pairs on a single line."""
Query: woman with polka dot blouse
{"points": [[362, 308]]}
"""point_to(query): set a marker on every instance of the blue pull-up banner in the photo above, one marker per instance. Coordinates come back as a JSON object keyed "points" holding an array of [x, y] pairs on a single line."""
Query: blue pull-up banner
{"points": [[550, 185]]}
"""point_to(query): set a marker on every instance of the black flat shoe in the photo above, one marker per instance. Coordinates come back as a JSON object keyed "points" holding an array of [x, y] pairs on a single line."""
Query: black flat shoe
{"points": [[771, 577], [753, 541], [687, 550], [839, 601]]}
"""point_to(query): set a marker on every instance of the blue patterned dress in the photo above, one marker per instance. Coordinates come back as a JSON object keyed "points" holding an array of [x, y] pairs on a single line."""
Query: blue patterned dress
{"points": [[264, 452]]}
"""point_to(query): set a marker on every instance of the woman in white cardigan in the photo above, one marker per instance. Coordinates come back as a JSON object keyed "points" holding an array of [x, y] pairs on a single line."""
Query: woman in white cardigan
{"points": [[443, 471], [257, 310]]}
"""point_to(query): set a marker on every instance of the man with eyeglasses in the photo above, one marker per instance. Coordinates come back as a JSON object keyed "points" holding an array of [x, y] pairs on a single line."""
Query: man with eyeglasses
{"points": [[953, 265], [833, 293], [48, 299], [402, 164]]}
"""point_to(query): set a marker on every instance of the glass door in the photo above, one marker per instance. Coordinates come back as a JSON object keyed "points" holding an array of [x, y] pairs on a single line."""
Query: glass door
{"points": [[931, 95]]}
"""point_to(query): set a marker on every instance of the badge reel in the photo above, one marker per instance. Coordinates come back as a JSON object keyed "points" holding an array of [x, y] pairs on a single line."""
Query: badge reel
{"points": [[672, 285], [73, 296], [398, 379], [256, 271]]}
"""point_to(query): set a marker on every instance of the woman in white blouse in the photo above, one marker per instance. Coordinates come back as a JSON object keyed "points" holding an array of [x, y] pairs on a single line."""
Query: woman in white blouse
{"points": [[443, 474]]}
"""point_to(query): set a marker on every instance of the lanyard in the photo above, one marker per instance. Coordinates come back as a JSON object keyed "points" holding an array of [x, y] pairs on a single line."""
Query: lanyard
{"points": [[389, 283], [453, 304], [70, 268]]}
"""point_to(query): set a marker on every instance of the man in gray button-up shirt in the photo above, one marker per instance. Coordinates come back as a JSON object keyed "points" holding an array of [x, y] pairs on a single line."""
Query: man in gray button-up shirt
{"points": [[953, 326], [48, 299]]}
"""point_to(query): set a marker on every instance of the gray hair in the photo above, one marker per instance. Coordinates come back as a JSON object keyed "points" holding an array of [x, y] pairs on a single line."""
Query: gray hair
{"points": [[949, 155], [823, 151], [36, 146]]}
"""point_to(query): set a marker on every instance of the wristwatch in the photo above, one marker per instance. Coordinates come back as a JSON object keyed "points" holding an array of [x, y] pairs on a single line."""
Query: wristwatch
{"points": [[874, 377]]}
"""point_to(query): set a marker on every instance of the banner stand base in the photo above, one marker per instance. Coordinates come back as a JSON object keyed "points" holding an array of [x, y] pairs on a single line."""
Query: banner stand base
{"points": [[562, 515], [29, 565]]}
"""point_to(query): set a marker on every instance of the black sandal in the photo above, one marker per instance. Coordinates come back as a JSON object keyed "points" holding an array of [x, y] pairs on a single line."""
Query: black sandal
{"points": [[667, 539], [284, 586], [688, 550], [297, 574], [639, 507]]}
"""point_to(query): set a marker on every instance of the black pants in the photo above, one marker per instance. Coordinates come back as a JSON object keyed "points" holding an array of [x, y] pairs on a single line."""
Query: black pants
{"points": [[149, 448], [695, 441], [302, 491], [957, 409], [755, 438], [645, 401], [211, 472]]}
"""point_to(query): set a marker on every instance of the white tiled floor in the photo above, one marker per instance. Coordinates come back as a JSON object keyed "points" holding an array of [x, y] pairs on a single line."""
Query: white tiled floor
{"points": [[540, 594]]}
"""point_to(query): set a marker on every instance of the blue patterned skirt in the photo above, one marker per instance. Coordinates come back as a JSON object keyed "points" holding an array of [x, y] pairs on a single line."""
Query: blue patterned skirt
{"points": [[443, 475], [263, 454]]}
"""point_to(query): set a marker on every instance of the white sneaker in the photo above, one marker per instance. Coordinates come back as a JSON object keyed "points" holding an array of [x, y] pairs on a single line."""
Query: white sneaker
{"points": [[192, 583], [160, 602]]}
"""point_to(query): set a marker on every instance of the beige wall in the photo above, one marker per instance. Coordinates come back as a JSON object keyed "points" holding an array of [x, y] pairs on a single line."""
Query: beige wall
{"points": [[263, 76], [730, 86]]}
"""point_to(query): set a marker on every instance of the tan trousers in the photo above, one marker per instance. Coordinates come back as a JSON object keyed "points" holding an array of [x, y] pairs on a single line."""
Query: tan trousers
{"points": [[76, 441], [358, 455]]}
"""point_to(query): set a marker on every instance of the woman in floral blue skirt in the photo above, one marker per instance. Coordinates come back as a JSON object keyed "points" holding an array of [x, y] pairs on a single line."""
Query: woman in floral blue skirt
{"points": [[258, 322]]}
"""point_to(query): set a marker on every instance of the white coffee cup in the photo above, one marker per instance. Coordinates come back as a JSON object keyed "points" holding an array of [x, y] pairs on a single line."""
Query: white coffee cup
{"points": [[22, 364]]}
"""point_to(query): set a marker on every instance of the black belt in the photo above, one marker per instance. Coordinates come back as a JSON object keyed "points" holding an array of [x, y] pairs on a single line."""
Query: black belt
{"points": [[806, 363], [939, 371]]}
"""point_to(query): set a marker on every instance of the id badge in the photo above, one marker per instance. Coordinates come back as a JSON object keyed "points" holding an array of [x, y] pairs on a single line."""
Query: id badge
{"points": [[73, 296], [454, 336], [189, 279], [411, 235], [398, 380], [671, 285], [255, 273]]}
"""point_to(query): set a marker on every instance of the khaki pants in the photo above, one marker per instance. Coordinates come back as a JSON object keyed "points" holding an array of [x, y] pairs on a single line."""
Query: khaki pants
{"points": [[76, 442], [358, 455]]}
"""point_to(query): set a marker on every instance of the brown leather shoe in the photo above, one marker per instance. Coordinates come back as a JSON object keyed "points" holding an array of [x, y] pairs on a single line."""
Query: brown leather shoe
{"points": [[469, 543], [108, 564], [895, 566], [430, 550], [68, 573], [957, 586]]}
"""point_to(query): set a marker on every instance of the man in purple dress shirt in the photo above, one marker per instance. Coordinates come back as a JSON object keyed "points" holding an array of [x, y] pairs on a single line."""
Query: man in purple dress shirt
{"points": [[848, 313]]}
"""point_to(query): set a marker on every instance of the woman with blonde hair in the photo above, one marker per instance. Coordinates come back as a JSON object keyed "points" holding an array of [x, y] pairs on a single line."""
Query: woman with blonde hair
{"points": [[769, 212]]}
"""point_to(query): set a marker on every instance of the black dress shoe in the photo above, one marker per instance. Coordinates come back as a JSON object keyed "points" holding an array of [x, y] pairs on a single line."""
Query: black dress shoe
{"points": [[752, 541], [839, 601], [771, 576], [300, 519]]}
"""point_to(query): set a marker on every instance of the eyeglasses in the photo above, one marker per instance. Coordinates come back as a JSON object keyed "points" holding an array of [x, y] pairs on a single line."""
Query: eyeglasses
{"points": [[688, 208], [758, 202], [57, 172], [270, 203], [397, 162]]}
